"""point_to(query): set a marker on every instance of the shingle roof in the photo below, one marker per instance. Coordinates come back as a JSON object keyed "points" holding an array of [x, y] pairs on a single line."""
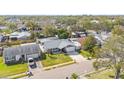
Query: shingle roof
{"points": [[60, 43], [20, 50]]}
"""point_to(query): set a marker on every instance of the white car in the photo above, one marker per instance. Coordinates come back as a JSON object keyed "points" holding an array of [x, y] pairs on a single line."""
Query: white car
{"points": [[31, 62]]}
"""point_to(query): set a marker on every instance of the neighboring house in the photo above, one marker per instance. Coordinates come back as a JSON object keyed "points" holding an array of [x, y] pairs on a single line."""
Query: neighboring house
{"points": [[19, 35], [21, 53], [57, 46], [79, 34], [46, 39], [100, 37], [94, 21], [3, 27]]}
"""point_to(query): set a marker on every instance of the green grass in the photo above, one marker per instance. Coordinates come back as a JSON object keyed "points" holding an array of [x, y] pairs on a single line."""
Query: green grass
{"points": [[103, 74], [6, 71], [6, 31], [85, 53], [55, 59]]}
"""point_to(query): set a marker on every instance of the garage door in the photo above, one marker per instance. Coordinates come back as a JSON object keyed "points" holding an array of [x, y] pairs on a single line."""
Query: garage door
{"points": [[70, 49], [33, 56]]}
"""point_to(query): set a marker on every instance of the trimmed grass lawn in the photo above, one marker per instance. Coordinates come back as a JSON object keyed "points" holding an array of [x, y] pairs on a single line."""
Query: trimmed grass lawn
{"points": [[85, 53], [103, 74], [54, 59], [11, 70]]}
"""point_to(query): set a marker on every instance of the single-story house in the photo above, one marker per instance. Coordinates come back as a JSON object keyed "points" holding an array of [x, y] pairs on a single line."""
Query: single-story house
{"points": [[19, 36], [21, 53], [58, 46]]}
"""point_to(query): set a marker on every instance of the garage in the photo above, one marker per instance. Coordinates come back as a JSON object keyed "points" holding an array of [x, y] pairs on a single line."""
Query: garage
{"points": [[33, 56], [70, 49]]}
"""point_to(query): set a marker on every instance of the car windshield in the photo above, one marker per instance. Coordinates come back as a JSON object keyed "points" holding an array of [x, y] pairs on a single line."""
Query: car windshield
{"points": [[31, 60]]}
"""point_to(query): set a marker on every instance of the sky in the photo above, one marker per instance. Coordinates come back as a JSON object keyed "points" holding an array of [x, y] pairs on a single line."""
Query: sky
{"points": [[61, 7]]}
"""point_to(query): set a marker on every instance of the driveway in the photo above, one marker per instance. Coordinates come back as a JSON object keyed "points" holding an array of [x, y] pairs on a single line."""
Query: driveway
{"points": [[81, 67], [77, 57]]}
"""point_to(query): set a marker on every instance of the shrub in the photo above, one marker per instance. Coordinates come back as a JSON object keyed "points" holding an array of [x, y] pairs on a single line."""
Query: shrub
{"points": [[96, 65], [74, 76]]}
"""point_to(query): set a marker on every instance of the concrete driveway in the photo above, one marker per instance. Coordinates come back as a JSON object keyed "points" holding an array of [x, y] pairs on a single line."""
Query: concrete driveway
{"points": [[77, 57], [81, 67]]}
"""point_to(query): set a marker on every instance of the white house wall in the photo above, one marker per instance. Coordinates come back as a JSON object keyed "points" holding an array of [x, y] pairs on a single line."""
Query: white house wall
{"points": [[70, 49]]}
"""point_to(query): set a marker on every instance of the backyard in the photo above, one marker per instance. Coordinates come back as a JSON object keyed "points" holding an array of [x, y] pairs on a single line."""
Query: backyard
{"points": [[54, 59], [6, 71]]}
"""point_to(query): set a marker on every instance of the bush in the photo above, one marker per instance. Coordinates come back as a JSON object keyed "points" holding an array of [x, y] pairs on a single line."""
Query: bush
{"points": [[96, 65], [74, 76]]}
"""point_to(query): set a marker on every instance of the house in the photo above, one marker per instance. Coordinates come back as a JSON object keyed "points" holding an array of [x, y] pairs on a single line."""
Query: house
{"points": [[3, 27], [100, 37], [46, 39], [94, 21], [21, 53], [79, 34], [19, 36], [22, 29], [57, 46], [78, 42]]}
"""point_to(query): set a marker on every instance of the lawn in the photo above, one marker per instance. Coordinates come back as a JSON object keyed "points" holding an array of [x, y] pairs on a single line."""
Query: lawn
{"points": [[11, 70], [85, 53], [54, 59], [103, 74], [6, 31]]}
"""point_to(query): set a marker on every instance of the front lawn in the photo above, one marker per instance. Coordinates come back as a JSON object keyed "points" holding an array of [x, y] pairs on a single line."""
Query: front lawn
{"points": [[54, 59], [11, 70], [103, 74]]}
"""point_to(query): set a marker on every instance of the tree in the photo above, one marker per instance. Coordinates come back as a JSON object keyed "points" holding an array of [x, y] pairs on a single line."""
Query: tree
{"points": [[63, 34], [12, 26], [89, 43], [113, 50], [118, 30], [49, 30], [96, 65], [32, 25]]}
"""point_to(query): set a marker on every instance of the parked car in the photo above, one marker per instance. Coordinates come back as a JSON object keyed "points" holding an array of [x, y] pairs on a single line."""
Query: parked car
{"points": [[31, 62]]}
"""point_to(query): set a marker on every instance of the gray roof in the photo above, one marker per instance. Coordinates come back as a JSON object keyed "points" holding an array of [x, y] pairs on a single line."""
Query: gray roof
{"points": [[20, 34], [60, 43], [20, 50], [47, 39]]}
